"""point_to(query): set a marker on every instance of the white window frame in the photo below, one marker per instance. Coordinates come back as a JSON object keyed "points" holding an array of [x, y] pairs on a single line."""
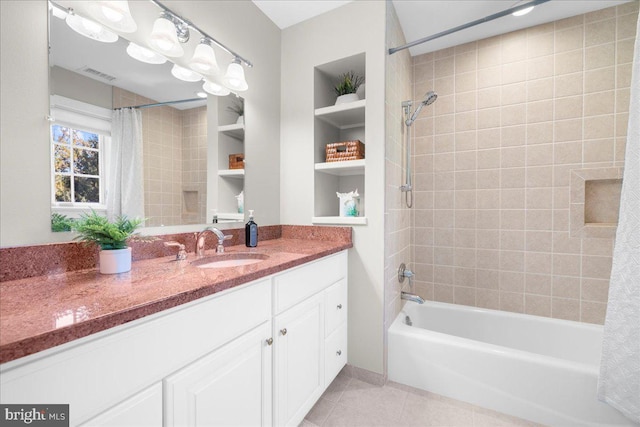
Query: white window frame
{"points": [[86, 117]]}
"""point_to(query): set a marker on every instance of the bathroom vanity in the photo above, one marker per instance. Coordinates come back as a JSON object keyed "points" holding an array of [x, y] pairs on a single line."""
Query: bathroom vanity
{"points": [[260, 349]]}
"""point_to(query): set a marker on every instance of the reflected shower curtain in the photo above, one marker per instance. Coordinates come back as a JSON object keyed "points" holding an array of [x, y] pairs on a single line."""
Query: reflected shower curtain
{"points": [[619, 381], [125, 190]]}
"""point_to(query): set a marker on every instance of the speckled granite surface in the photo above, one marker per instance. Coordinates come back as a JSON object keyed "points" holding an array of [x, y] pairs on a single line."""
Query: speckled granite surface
{"points": [[41, 312]]}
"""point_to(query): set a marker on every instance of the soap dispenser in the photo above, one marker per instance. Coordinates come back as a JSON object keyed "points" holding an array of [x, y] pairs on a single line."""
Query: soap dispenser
{"points": [[251, 232]]}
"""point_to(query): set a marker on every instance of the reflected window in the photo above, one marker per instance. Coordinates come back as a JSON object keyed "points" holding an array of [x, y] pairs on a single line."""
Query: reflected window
{"points": [[77, 166]]}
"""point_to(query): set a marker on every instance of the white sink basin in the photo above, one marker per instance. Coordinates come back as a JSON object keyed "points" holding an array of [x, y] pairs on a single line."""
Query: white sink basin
{"points": [[229, 260]]}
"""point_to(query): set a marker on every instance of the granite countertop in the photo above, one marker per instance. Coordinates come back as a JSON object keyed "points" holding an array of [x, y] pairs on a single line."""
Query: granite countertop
{"points": [[41, 312]]}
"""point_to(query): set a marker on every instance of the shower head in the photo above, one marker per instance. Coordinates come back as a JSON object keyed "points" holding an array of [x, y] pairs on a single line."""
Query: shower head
{"points": [[429, 98]]}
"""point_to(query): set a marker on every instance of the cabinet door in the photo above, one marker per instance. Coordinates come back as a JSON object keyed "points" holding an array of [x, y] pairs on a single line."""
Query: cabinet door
{"points": [[229, 387], [299, 360], [143, 409]]}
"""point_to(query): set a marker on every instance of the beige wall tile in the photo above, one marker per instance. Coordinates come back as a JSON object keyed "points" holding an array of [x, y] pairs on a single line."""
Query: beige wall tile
{"points": [[516, 114]]}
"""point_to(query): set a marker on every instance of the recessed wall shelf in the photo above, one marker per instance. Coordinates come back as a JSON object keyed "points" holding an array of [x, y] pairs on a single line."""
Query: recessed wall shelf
{"points": [[234, 131], [343, 116], [231, 173], [346, 168], [340, 220]]}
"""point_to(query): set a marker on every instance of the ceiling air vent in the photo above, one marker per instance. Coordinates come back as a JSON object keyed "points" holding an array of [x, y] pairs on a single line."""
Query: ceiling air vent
{"points": [[98, 74]]}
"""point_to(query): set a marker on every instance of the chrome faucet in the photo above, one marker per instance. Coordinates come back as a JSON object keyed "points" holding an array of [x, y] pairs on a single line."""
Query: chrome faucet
{"points": [[411, 297], [200, 240]]}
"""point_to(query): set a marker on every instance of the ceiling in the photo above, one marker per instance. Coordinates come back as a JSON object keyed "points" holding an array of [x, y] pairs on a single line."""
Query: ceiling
{"points": [[423, 18]]}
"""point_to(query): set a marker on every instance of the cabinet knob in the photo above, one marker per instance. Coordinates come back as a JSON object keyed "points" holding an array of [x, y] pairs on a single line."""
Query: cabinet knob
{"points": [[283, 331], [269, 341], [339, 306], [339, 352]]}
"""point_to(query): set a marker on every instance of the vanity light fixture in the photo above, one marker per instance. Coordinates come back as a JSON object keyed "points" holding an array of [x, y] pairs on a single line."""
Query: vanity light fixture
{"points": [[185, 74], [114, 14], [89, 29], [234, 78], [204, 58], [215, 89], [58, 12], [143, 54], [166, 36]]}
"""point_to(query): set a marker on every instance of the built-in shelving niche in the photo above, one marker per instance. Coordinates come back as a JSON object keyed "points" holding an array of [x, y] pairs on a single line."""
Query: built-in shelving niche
{"points": [[230, 141], [335, 123]]}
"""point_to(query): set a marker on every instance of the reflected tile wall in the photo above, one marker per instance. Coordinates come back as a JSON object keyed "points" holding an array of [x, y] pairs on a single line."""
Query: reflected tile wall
{"points": [[493, 158]]}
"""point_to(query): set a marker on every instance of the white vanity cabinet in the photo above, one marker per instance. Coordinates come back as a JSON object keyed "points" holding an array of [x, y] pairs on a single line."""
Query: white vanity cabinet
{"points": [[306, 318], [259, 354], [229, 386]]}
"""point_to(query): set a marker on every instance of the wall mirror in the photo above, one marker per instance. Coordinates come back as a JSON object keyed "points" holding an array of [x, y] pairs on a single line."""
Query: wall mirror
{"points": [[192, 148]]}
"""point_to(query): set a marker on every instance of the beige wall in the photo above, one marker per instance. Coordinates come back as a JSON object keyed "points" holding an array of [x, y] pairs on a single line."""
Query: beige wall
{"points": [[397, 216], [327, 38], [515, 114]]}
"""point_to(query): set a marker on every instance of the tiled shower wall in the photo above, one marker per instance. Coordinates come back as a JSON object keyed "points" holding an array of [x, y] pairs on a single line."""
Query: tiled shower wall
{"points": [[397, 215], [194, 163], [174, 156], [515, 115]]}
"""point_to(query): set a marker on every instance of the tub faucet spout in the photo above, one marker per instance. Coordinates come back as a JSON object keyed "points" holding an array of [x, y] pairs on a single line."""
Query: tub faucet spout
{"points": [[411, 297]]}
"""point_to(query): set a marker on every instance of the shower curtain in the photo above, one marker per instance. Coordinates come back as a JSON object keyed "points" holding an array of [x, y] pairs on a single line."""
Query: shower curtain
{"points": [[125, 191], [619, 381]]}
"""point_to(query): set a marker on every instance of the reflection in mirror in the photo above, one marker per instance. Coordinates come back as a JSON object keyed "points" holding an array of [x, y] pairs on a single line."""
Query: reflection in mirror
{"points": [[188, 167]]}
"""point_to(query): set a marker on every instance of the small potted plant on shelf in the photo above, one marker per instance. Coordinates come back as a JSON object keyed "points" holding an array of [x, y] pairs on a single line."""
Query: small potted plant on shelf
{"points": [[347, 86], [112, 237], [238, 108]]}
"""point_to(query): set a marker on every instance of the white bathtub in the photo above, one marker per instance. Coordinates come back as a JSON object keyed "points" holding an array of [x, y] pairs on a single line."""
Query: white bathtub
{"points": [[540, 369]]}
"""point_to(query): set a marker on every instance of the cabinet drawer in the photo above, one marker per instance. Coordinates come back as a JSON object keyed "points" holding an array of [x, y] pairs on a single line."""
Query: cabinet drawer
{"points": [[335, 306], [335, 354], [302, 282]]}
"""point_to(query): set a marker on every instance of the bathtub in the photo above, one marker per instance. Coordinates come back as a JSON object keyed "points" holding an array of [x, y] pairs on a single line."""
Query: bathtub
{"points": [[540, 369]]}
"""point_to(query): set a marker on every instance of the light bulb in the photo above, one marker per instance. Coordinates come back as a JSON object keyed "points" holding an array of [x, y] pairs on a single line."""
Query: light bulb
{"points": [[204, 59], [185, 74], [234, 78], [523, 11], [215, 89], [145, 55], [164, 38]]}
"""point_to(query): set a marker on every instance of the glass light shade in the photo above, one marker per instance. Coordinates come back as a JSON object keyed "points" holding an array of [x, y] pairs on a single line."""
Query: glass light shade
{"points": [[90, 29], [164, 38], [215, 89], [58, 12], [523, 11], [143, 54], [185, 74], [234, 78], [114, 14], [204, 59]]}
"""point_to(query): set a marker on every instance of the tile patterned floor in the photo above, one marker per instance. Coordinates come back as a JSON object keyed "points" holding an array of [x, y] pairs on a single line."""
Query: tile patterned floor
{"points": [[350, 402]]}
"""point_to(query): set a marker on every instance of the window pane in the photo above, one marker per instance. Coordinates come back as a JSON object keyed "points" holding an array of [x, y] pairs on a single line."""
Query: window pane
{"points": [[62, 158], [85, 162], [87, 190], [85, 139], [63, 188], [60, 134]]}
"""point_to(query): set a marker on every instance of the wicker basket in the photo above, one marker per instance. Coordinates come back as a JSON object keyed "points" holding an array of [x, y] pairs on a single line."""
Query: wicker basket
{"points": [[236, 161], [345, 150]]}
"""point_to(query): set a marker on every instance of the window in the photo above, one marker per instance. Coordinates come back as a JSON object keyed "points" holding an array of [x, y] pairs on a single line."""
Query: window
{"points": [[77, 166]]}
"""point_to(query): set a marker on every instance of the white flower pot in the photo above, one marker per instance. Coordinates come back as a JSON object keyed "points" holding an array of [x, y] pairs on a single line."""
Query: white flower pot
{"points": [[115, 261], [350, 97]]}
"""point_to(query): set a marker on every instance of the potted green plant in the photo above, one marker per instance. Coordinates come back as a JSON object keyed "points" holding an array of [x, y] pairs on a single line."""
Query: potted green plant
{"points": [[347, 86], [238, 108], [112, 238]]}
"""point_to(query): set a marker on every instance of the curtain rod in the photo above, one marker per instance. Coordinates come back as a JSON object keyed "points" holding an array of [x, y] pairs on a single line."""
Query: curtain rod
{"points": [[468, 25], [159, 104]]}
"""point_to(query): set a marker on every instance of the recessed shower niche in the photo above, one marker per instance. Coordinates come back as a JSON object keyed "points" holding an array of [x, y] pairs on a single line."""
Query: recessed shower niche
{"points": [[595, 202]]}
